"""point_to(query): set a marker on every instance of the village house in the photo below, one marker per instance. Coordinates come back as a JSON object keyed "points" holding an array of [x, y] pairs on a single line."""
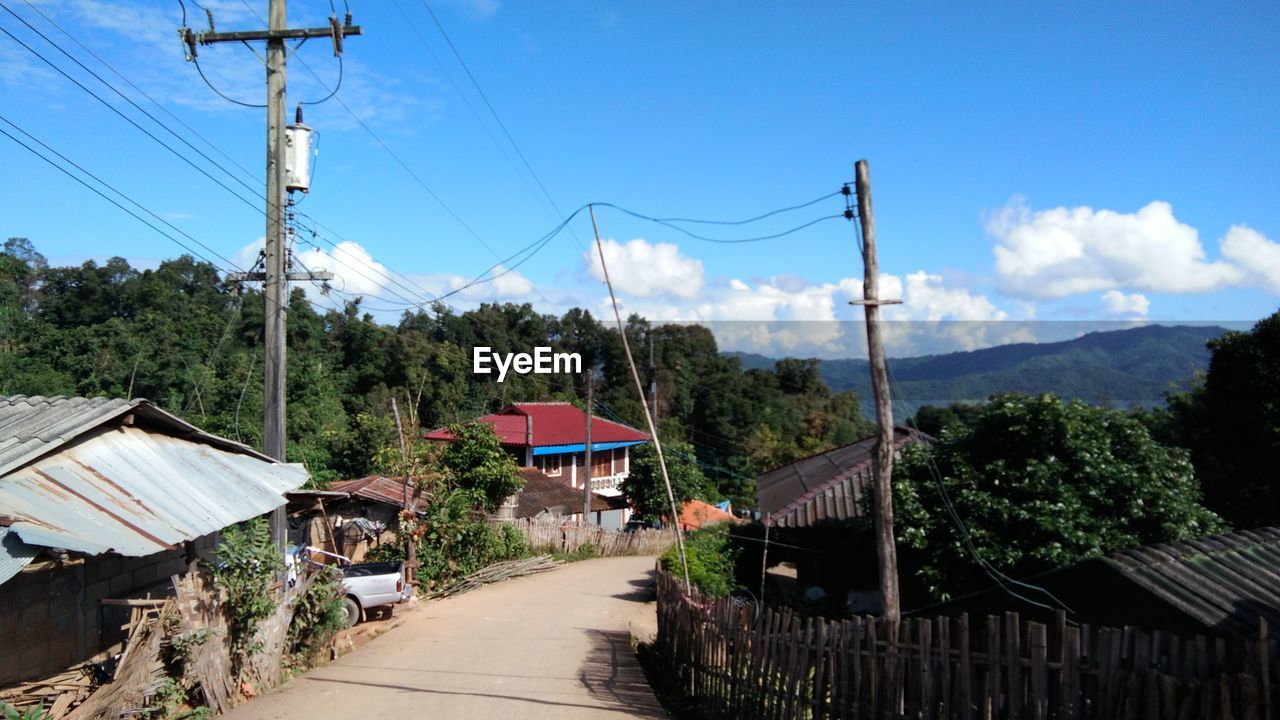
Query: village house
{"points": [[350, 517], [808, 501], [551, 436], [102, 501]]}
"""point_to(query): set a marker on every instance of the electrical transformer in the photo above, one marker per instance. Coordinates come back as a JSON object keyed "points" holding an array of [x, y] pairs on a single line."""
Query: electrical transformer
{"points": [[297, 156]]}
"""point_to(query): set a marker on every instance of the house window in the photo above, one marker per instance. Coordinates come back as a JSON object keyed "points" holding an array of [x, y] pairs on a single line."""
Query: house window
{"points": [[551, 465], [601, 463]]}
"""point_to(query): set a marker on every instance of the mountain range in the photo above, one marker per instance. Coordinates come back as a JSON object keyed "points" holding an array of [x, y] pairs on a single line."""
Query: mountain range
{"points": [[1118, 368]]}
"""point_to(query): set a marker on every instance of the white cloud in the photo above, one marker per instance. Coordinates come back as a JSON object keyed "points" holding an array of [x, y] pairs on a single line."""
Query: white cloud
{"points": [[510, 285], [1257, 257], [1117, 304], [927, 298], [643, 269], [1068, 251]]}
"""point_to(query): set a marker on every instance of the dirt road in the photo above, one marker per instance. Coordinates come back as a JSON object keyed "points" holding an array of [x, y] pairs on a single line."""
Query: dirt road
{"points": [[553, 645]]}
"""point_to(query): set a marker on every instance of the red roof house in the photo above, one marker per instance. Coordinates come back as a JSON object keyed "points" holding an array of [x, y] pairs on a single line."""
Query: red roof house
{"points": [[551, 436]]}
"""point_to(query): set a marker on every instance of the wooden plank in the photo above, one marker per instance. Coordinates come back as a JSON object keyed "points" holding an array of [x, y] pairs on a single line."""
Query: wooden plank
{"points": [[872, 707], [1071, 661], [991, 699], [942, 629], [1168, 697], [1250, 703], [1263, 651], [857, 663], [964, 679], [1013, 658], [1037, 636], [924, 635], [818, 690]]}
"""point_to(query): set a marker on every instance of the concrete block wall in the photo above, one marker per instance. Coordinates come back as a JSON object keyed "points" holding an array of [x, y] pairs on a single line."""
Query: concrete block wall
{"points": [[53, 618]]}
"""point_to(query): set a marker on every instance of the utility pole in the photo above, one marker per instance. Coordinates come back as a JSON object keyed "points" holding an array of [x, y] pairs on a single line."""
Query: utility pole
{"points": [[653, 381], [586, 481], [882, 457], [276, 277], [407, 518]]}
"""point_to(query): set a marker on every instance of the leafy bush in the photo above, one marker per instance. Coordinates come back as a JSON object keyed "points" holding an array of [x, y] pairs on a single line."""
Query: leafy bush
{"points": [[457, 540], [247, 564], [711, 556], [1039, 484], [478, 463], [317, 616]]}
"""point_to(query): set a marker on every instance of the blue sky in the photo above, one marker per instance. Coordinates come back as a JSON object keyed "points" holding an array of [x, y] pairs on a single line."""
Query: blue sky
{"points": [[1058, 162]]}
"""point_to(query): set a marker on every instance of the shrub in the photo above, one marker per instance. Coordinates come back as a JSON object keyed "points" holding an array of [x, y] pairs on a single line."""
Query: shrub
{"points": [[317, 616], [711, 558], [247, 564]]}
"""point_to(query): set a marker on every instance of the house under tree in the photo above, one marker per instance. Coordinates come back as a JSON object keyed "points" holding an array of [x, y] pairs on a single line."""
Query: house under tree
{"points": [[551, 436]]}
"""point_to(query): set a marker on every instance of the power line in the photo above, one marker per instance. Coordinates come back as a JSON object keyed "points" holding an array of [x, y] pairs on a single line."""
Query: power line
{"points": [[144, 131], [724, 241], [472, 108], [142, 92], [753, 219], [496, 117], [98, 192], [113, 88], [131, 121]]}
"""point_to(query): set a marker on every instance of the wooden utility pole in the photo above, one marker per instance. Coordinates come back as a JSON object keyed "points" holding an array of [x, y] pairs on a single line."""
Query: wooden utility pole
{"points": [[406, 517], [653, 381], [882, 459], [586, 481], [276, 277]]}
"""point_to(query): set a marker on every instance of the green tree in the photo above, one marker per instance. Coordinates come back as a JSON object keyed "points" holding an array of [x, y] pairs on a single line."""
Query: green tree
{"points": [[477, 462], [645, 490], [1039, 485], [1231, 424]]}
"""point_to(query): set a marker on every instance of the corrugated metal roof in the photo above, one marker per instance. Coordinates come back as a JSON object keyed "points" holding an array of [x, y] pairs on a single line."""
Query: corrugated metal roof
{"points": [[14, 554], [33, 426], [1222, 581], [826, 486], [541, 493], [377, 488], [75, 478], [553, 423]]}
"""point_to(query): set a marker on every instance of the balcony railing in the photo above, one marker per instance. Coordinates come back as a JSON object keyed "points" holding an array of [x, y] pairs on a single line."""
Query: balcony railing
{"points": [[608, 482]]}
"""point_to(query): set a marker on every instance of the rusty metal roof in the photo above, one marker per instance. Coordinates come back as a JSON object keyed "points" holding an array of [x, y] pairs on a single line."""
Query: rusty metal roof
{"points": [[389, 491], [827, 486], [541, 493], [98, 475]]}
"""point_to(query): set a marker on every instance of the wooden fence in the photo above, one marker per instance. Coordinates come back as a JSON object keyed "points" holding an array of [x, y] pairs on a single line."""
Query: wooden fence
{"points": [[736, 660], [571, 537]]}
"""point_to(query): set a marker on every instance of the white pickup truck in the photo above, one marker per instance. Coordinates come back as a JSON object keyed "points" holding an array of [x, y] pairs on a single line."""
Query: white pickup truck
{"points": [[366, 585], [371, 585]]}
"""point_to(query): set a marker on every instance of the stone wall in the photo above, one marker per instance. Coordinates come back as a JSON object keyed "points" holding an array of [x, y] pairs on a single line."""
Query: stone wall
{"points": [[52, 618]]}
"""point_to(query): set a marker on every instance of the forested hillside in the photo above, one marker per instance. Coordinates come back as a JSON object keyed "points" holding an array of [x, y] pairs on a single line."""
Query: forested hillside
{"points": [[1119, 368], [180, 337]]}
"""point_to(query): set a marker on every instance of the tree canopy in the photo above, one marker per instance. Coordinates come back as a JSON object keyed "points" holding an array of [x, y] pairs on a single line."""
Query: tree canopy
{"points": [[1039, 484], [645, 489], [1231, 424], [179, 336]]}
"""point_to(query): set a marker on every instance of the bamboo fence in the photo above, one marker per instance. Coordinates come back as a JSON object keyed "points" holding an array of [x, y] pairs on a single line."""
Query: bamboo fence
{"points": [[737, 660], [554, 535]]}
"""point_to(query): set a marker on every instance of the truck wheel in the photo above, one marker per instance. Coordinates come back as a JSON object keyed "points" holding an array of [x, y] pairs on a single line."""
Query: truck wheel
{"points": [[350, 612]]}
